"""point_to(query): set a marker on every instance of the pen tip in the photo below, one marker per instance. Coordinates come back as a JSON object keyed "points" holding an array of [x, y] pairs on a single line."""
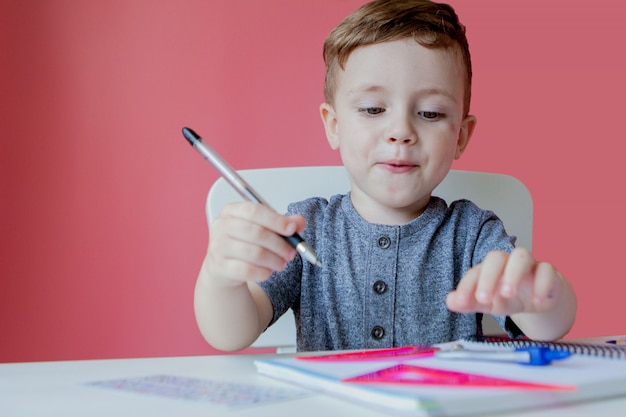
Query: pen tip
{"points": [[190, 135]]}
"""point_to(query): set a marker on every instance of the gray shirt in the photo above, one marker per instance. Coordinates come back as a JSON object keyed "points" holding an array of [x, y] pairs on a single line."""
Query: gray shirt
{"points": [[383, 285]]}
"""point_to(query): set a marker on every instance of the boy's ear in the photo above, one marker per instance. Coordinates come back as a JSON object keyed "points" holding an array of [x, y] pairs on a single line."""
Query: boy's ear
{"points": [[329, 118], [467, 128]]}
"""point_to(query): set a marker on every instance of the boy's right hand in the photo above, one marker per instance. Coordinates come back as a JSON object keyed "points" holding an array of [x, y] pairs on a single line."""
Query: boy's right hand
{"points": [[246, 243]]}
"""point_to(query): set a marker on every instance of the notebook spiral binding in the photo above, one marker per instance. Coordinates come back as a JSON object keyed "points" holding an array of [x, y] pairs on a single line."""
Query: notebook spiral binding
{"points": [[587, 349]]}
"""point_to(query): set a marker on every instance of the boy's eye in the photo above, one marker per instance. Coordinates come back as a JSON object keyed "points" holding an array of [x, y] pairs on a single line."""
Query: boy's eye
{"points": [[372, 110], [430, 114]]}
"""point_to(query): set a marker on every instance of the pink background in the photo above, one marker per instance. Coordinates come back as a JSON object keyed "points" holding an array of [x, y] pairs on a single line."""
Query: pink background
{"points": [[102, 226]]}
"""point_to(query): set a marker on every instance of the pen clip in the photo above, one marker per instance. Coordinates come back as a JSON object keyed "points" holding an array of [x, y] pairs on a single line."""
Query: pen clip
{"points": [[542, 355]]}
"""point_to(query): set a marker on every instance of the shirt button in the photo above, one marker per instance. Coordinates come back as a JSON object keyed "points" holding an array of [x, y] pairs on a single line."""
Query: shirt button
{"points": [[384, 242], [380, 287], [378, 332]]}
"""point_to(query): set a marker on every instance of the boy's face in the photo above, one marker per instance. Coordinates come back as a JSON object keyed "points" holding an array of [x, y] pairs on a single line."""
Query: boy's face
{"points": [[397, 120]]}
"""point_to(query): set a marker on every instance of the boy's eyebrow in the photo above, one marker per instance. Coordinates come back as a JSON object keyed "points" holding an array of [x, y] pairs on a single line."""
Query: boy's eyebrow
{"points": [[438, 92], [434, 91], [366, 89]]}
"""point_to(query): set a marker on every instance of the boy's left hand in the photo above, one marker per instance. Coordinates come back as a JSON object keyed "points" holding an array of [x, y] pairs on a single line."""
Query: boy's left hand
{"points": [[505, 284]]}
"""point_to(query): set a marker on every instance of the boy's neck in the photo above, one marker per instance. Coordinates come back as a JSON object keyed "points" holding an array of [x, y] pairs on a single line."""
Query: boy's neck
{"points": [[378, 213]]}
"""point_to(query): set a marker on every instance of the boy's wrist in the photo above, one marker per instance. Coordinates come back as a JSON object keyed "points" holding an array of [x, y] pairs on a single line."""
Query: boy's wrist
{"points": [[211, 280]]}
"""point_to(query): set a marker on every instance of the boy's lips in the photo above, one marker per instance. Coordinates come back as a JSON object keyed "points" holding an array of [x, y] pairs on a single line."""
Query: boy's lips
{"points": [[397, 165]]}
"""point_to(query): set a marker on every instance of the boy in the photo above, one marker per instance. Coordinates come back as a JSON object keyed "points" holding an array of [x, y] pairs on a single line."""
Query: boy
{"points": [[401, 267]]}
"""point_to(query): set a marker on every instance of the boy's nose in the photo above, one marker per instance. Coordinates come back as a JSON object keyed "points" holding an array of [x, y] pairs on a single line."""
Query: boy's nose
{"points": [[402, 131], [408, 140]]}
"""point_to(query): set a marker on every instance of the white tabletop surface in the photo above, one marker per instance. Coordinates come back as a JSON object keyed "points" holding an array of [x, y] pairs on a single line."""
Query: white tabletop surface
{"points": [[62, 389]]}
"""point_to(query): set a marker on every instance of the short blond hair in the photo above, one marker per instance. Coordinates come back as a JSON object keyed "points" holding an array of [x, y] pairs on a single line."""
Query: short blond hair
{"points": [[432, 25]]}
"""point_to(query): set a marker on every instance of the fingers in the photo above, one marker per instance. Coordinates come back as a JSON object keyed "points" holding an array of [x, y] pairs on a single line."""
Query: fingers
{"points": [[506, 284], [535, 284], [519, 267], [264, 216], [463, 299], [246, 243], [479, 288], [548, 286], [489, 279]]}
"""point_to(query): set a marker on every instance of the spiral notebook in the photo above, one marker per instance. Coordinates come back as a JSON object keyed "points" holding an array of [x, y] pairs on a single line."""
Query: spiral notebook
{"points": [[601, 349], [492, 387]]}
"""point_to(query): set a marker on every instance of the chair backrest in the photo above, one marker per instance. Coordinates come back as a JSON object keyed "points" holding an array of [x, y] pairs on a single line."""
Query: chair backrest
{"points": [[503, 194]]}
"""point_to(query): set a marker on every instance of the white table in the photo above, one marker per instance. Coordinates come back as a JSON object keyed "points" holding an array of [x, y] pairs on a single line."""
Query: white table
{"points": [[45, 389]]}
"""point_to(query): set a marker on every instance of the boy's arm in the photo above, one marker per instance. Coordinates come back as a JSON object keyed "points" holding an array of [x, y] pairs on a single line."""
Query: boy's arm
{"points": [[245, 246], [536, 296], [230, 317]]}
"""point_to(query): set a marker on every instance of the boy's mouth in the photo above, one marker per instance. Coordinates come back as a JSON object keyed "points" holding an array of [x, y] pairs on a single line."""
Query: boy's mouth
{"points": [[396, 165]]}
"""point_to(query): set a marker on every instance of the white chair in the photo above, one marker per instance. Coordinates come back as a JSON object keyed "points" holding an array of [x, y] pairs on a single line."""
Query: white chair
{"points": [[503, 194]]}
